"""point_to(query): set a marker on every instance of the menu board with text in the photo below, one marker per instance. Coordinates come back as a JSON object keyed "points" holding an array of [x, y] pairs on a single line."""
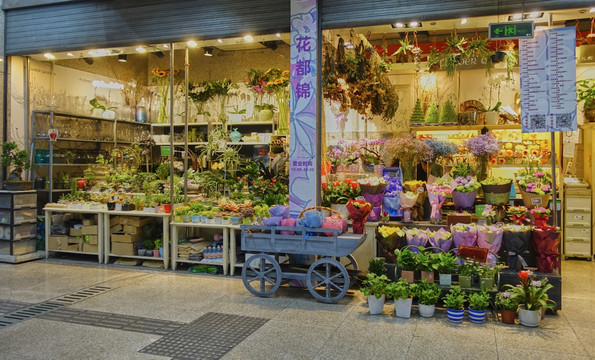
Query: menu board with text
{"points": [[548, 81]]}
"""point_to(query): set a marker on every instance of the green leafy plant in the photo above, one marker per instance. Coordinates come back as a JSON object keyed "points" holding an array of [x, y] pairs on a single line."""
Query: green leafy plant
{"points": [[468, 268], [374, 285], [585, 93], [427, 294], [406, 259], [400, 290], [455, 298], [69, 155], [479, 300], [487, 272], [163, 171], [478, 48], [200, 94], [418, 115], [495, 180], [97, 105], [426, 260], [506, 301], [453, 52], [264, 107], [376, 266], [433, 59], [18, 159], [158, 243], [236, 110], [446, 262], [532, 294], [149, 244], [448, 114]]}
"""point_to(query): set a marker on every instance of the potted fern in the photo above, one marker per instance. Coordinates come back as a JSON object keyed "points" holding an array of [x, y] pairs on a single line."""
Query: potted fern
{"points": [[375, 289], [427, 297], [454, 302], [478, 303], [402, 292]]}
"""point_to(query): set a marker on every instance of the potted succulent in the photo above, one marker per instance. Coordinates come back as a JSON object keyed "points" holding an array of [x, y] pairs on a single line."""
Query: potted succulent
{"points": [[487, 276], [446, 264], [508, 306], [18, 160], [406, 259], [478, 303], [454, 301], [235, 218], [427, 297], [585, 92], [375, 289], [466, 270], [402, 292], [496, 190], [427, 263]]}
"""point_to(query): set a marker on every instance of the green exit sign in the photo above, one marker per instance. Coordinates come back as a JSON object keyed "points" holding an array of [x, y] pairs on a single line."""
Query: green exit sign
{"points": [[512, 30]]}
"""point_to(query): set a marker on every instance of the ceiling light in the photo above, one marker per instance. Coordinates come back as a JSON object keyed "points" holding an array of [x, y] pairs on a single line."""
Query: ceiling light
{"points": [[48, 56], [69, 54], [219, 41], [192, 43], [248, 38], [463, 21], [400, 25], [534, 14], [592, 10], [414, 24], [278, 35], [165, 46], [98, 52], [517, 16], [208, 51], [141, 49], [122, 58]]}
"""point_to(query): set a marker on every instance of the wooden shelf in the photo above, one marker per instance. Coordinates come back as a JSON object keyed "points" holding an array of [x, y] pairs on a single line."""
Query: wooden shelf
{"points": [[465, 127], [65, 114]]}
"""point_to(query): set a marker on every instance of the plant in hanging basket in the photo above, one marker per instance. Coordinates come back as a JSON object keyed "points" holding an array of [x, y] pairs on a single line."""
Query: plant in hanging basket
{"points": [[453, 52]]}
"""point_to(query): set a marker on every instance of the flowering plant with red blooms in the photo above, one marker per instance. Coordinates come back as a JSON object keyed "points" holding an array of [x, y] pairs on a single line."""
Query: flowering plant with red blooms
{"points": [[531, 294], [359, 211], [339, 192], [518, 214]]}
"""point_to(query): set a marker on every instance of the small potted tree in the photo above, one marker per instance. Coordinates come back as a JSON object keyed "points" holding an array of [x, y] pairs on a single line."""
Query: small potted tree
{"points": [[478, 303], [446, 265], [406, 259], [18, 160], [402, 292], [427, 297], [375, 289], [454, 302]]}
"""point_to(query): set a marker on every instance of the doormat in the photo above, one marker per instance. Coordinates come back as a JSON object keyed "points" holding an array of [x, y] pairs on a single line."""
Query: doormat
{"points": [[211, 336]]}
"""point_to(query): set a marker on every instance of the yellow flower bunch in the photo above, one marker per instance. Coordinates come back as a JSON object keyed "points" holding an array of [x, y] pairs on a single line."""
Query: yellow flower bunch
{"points": [[387, 231], [276, 79]]}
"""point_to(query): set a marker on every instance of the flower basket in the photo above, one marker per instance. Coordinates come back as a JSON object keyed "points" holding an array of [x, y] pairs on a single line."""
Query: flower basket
{"points": [[464, 200], [497, 195], [532, 200]]}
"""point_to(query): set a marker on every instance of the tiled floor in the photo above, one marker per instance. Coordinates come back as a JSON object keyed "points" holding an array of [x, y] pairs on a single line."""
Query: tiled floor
{"points": [[295, 326]]}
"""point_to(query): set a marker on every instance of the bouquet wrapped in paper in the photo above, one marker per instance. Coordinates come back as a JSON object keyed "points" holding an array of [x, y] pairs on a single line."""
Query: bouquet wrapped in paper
{"points": [[390, 238], [464, 234], [334, 222], [437, 193], [517, 249], [408, 201], [518, 214], [359, 211], [441, 239], [540, 216], [490, 237], [545, 244], [419, 188], [392, 199], [417, 237], [372, 189]]}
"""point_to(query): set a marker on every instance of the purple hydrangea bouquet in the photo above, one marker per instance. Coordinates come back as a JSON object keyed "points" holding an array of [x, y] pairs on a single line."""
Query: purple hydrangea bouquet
{"points": [[483, 147]]}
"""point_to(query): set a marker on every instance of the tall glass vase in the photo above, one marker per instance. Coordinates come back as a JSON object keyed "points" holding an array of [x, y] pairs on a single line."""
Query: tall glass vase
{"points": [[283, 104], [162, 117], [409, 169], [482, 173]]}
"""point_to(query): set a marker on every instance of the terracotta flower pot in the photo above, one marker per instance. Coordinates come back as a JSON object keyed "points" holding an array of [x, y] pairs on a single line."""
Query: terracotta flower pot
{"points": [[407, 275], [507, 316]]}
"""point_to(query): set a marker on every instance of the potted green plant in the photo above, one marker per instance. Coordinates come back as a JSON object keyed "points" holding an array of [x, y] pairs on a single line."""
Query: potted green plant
{"points": [[265, 112], [532, 297], [18, 160], [478, 303], [237, 114], [158, 250], [454, 301], [466, 270], [487, 277], [376, 266], [446, 264], [427, 262], [585, 93], [402, 292], [508, 306], [69, 155], [222, 89], [200, 94], [406, 259], [374, 287], [427, 297], [453, 52], [149, 245]]}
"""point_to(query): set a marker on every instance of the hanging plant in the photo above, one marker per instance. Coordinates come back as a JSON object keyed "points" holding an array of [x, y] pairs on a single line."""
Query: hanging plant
{"points": [[478, 48], [404, 52], [433, 59], [453, 52]]}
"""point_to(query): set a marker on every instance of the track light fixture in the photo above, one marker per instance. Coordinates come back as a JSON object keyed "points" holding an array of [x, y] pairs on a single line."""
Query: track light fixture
{"points": [[122, 58], [208, 51], [89, 61]]}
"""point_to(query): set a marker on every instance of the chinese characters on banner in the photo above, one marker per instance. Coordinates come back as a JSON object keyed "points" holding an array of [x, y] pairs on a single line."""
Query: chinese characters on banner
{"points": [[303, 187], [548, 81]]}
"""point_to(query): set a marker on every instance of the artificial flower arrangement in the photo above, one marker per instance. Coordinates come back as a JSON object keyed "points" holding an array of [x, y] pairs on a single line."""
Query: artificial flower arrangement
{"points": [[533, 179], [483, 147], [391, 202], [339, 192]]}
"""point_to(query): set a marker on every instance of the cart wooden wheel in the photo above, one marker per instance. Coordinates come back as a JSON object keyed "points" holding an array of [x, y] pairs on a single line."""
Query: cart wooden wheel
{"points": [[328, 280], [351, 264], [262, 275]]}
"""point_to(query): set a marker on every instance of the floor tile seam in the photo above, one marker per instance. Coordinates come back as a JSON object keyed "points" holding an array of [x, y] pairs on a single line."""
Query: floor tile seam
{"points": [[578, 337], [104, 326]]}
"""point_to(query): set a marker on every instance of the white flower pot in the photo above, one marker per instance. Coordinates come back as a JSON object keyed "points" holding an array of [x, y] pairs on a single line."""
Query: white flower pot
{"points": [[530, 318], [235, 118], [492, 117], [403, 307], [426, 310], [376, 305], [446, 279]]}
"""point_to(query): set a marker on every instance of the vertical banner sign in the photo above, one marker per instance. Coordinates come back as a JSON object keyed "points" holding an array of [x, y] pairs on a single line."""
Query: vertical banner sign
{"points": [[548, 81], [303, 144]]}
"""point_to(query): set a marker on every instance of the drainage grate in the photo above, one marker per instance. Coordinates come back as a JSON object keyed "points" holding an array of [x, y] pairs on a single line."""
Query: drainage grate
{"points": [[82, 295], [7, 306], [28, 313], [113, 321], [210, 336]]}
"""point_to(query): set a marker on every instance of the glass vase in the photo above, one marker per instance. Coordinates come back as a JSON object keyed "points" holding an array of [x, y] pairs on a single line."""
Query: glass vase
{"points": [[409, 170], [283, 127], [482, 172], [162, 116]]}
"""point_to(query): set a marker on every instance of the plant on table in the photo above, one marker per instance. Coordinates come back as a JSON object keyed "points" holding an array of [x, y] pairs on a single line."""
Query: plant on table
{"points": [[483, 147], [446, 262], [17, 159]]}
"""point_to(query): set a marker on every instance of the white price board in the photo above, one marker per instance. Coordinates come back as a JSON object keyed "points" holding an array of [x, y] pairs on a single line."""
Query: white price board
{"points": [[548, 81]]}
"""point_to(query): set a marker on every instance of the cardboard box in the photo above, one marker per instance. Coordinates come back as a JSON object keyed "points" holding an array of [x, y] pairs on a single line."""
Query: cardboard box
{"points": [[122, 248], [89, 222], [114, 221], [89, 230], [125, 238], [135, 220], [133, 230], [72, 247], [90, 248], [91, 239], [117, 228], [75, 232], [75, 240], [57, 242]]}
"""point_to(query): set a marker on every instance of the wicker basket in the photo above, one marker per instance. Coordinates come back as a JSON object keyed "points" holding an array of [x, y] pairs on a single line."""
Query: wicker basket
{"points": [[534, 200]]}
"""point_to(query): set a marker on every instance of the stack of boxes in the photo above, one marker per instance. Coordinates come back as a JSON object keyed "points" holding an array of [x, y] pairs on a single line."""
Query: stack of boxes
{"points": [[81, 236], [125, 231]]}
